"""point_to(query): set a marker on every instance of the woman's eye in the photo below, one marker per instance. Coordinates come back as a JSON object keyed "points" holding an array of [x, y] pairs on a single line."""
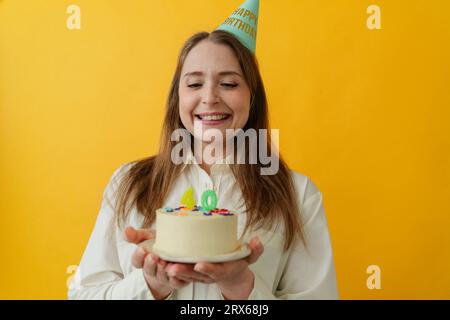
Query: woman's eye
{"points": [[227, 85], [230, 85]]}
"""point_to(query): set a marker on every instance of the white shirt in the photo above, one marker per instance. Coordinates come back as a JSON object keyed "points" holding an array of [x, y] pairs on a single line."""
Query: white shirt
{"points": [[106, 272]]}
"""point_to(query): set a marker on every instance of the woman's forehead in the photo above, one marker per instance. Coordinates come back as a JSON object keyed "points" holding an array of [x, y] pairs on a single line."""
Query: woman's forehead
{"points": [[211, 57]]}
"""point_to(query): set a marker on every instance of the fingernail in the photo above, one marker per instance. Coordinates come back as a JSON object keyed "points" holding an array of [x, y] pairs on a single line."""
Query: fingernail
{"points": [[148, 259], [172, 273], [169, 270], [199, 268]]}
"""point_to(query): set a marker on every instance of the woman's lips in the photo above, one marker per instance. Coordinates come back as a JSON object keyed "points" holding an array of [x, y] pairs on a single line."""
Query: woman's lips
{"points": [[213, 119]]}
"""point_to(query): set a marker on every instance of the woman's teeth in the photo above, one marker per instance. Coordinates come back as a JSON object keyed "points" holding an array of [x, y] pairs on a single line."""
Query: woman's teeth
{"points": [[215, 117]]}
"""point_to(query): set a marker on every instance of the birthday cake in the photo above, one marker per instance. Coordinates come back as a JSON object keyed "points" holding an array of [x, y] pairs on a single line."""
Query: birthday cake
{"points": [[195, 231]]}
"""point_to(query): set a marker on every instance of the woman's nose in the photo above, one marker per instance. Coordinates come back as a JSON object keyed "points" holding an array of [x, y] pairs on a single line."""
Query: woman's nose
{"points": [[210, 96]]}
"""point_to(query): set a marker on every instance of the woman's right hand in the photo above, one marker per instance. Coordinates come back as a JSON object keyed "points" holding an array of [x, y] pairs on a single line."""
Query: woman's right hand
{"points": [[158, 281]]}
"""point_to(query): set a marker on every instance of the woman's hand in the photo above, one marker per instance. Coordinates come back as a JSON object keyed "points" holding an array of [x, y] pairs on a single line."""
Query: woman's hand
{"points": [[160, 282], [234, 278], [153, 273]]}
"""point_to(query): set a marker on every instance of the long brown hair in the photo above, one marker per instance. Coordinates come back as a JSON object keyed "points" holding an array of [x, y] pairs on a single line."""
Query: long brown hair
{"points": [[268, 198]]}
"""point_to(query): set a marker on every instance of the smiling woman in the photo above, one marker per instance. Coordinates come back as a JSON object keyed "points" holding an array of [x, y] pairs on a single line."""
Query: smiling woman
{"points": [[216, 83]]}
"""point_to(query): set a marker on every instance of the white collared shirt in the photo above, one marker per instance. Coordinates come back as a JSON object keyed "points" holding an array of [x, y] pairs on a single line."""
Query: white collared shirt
{"points": [[106, 272]]}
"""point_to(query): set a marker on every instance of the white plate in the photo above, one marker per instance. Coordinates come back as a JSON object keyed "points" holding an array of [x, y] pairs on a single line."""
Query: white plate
{"points": [[242, 252]]}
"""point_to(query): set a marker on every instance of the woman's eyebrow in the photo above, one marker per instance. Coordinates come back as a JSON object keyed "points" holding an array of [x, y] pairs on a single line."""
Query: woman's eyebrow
{"points": [[222, 73]]}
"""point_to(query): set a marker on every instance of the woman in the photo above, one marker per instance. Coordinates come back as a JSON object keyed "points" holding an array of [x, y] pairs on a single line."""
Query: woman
{"points": [[217, 83]]}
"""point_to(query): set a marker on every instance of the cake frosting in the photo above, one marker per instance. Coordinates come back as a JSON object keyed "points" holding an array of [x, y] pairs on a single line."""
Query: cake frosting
{"points": [[195, 232]]}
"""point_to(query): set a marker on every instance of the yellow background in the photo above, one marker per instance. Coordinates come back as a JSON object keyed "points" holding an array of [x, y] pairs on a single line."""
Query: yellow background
{"points": [[364, 113]]}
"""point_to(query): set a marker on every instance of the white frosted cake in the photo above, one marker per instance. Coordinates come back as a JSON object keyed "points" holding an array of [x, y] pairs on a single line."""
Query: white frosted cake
{"points": [[181, 232]]}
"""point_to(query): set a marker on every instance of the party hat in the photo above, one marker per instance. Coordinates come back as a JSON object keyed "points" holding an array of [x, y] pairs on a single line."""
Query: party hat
{"points": [[243, 24]]}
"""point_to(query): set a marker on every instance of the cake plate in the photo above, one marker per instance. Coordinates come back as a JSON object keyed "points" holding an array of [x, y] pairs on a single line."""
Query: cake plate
{"points": [[242, 252]]}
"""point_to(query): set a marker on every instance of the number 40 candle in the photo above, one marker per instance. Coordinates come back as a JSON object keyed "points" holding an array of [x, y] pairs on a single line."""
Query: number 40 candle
{"points": [[208, 199]]}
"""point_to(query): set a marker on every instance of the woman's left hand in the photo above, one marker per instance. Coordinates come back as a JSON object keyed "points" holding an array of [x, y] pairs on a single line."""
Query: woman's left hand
{"points": [[234, 278]]}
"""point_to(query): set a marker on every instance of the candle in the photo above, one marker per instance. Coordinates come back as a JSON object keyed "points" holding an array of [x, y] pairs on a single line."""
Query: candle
{"points": [[188, 199], [209, 200]]}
